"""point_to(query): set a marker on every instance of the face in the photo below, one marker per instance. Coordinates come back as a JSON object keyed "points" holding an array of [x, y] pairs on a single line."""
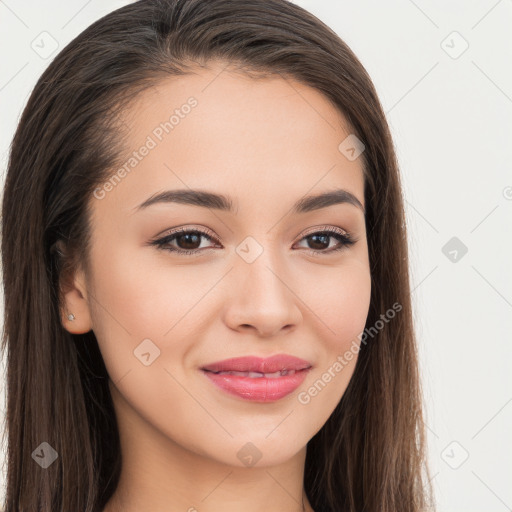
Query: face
{"points": [[263, 278]]}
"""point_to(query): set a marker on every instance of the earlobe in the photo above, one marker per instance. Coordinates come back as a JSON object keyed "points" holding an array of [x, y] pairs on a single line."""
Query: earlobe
{"points": [[75, 314], [75, 317]]}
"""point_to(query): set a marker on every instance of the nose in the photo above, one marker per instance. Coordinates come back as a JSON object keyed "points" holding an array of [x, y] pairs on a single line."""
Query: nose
{"points": [[264, 298]]}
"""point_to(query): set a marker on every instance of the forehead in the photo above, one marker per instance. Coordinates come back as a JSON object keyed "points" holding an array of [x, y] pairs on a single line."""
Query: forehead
{"points": [[251, 138]]}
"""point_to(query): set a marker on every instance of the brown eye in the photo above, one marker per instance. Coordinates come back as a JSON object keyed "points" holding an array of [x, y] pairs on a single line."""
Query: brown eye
{"points": [[184, 241], [188, 241], [319, 241]]}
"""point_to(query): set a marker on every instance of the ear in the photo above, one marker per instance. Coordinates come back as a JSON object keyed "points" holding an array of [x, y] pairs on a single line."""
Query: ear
{"points": [[75, 301]]}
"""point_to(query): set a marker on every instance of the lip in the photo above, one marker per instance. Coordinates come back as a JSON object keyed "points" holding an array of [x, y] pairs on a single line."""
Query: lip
{"points": [[254, 388], [258, 364]]}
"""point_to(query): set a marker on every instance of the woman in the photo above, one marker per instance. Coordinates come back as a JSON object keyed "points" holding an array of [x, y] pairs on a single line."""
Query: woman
{"points": [[207, 301]]}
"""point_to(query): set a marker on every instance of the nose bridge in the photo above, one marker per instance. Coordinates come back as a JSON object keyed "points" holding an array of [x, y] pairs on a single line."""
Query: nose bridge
{"points": [[263, 295], [261, 261]]}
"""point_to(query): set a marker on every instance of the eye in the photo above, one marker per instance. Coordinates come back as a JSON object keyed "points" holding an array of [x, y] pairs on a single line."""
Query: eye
{"points": [[187, 238], [188, 241], [321, 240]]}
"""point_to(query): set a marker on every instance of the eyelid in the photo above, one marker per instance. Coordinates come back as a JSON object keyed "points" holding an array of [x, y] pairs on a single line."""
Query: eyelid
{"points": [[326, 227], [187, 228], [211, 234]]}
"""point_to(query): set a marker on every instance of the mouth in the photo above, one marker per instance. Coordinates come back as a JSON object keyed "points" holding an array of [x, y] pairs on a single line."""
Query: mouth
{"points": [[258, 379]]}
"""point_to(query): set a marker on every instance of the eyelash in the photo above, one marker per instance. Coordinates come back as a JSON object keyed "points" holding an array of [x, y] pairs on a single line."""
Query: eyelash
{"points": [[163, 243]]}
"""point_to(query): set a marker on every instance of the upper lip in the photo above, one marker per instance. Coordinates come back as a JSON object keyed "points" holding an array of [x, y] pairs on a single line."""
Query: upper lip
{"points": [[271, 364]]}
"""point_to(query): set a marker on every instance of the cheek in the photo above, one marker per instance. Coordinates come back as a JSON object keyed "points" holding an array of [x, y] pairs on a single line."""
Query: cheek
{"points": [[341, 308], [139, 297], [128, 306], [142, 295], [340, 302], [140, 320]]}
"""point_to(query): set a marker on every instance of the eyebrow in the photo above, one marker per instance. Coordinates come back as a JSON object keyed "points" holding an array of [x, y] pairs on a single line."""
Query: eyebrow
{"points": [[224, 203]]}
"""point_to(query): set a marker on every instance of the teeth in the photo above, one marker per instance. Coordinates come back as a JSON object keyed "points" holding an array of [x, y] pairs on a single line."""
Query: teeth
{"points": [[258, 375]]}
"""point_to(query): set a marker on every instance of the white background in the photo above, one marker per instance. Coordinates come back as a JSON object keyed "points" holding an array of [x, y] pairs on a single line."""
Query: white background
{"points": [[451, 119]]}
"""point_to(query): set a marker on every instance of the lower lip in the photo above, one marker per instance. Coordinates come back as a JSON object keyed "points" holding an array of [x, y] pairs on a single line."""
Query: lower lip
{"points": [[258, 389]]}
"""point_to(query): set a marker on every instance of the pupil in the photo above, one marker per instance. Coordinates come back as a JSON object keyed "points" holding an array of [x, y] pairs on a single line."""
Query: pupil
{"points": [[188, 236], [320, 236]]}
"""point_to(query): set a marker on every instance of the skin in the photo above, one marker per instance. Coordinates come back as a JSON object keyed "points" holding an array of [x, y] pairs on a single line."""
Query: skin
{"points": [[266, 143]]}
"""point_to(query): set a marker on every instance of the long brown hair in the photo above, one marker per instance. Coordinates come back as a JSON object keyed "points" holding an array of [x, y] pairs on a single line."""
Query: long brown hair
{"points": [[370, 455]]}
